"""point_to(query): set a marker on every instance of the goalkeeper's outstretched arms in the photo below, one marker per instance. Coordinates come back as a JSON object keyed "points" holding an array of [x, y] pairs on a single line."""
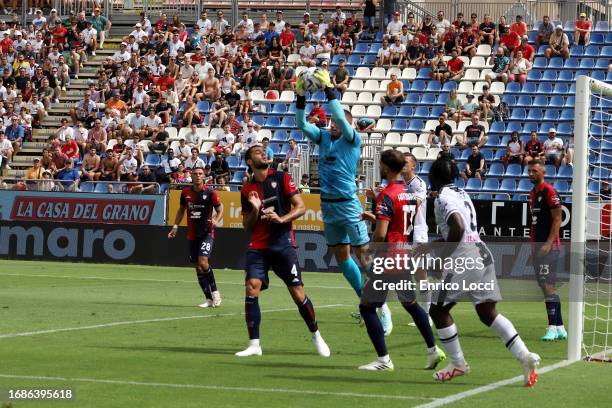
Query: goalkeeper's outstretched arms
{"points": [[336, 109], [312, 132]]}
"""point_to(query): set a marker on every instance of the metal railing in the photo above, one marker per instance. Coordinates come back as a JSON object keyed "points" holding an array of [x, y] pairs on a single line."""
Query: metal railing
{"points": [[300, 165], [531, 10]]}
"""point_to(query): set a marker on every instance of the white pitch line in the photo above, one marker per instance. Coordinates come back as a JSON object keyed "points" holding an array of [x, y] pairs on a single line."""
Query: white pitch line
{"points": [[125, 323], [219, 387], [490, 387], [151, 280]]}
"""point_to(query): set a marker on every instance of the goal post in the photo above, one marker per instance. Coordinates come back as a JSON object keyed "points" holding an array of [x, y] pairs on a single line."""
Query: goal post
{"points": [[590, 289]]}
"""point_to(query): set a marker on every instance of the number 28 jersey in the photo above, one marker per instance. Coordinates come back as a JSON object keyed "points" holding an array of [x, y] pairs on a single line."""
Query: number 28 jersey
{"points": [[451, 200], [399, 207]]}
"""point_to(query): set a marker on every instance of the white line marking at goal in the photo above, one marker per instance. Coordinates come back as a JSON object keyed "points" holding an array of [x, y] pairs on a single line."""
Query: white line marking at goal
{"points": [[489, 387], [220, 387], [154, 280], [162, 319]]}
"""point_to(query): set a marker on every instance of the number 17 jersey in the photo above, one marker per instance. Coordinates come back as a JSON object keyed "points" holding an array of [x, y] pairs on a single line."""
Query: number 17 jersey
{"points": [[399, 207]]}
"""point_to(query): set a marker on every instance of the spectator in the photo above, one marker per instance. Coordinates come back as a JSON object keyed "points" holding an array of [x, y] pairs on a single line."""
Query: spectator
{"points": [[439, 66], [582, 35], [446, 152], [249, 136], [304, 187], [474, 166], [474, 134], [6, 151], [486, 101], [430, 53], [219, 167], [395, 92], [553, 148], [394, 28], [467, 42], [221, 184], [15, 134], [442, 25], [35, 172], [384, 54], [69, 176], [323, 51], [453, 107], [70, 148], [317, 115], [414, 54], [225, 141], [127, 164], [509, 40], [369, 15], [102, 25], [340, 78], [307, 53], [469, 108], [159, 141], [568, 157], [269, 152], [545, 30], [487, 31], [47, 183], [292, 153], [84, 110], [182, 150], [90, 168], [365, 125], [515, 151], [194, 160], [389, 11], [168, 166], [397, 53], [456, 69], [558, 44], [526, 49], [442, 134], [109, 166], [519, 68], [192, 138], [519, 27], [501, 64], [147, 179]]}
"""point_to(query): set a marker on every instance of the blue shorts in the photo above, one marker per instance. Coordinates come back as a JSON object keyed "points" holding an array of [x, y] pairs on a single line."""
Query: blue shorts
{"points": [[200, 247], [354, 234], [284, 263], [341, 212]]}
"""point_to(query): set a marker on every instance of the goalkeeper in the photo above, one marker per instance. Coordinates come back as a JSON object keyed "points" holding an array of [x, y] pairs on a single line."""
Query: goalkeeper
{"points": [[339, 151]]}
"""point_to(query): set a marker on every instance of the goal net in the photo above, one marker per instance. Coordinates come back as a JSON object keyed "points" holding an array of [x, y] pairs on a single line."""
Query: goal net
{"points": [[591, 278]]}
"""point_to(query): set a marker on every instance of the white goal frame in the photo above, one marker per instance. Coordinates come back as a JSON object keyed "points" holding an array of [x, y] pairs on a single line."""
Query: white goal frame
{"points": [[582, 121]]}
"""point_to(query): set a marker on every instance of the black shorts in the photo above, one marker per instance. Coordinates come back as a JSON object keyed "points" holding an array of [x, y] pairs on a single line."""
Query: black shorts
{"points": [[283, 262], [200, 247], [399, 99], [375, 294], [546, 267]]}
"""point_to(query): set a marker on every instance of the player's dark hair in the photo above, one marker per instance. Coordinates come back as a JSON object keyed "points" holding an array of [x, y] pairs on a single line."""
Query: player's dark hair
{"points": [[197, 168], [443, 171], [536, 162], [393, 159], [411, 157]]}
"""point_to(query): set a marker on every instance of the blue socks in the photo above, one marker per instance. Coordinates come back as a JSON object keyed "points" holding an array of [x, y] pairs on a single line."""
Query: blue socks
{"points": [[352, 274], [253, 316], [422, 322], [375, 329], [204, 283], [553, 310]]}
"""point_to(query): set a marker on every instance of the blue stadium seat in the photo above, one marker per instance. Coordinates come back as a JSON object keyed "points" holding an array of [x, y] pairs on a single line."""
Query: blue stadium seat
{"points": [[518, 114], [510, 100], [405, 111], [569, 26], [412, 99], [525, 100], [499, 155], [434, 86], [594, 187], [597, 39], [400, 125], [576, 50], [532, 36], [237, 177], [592, 51], [415, 126], [570, 101], [203, 106], [425, 179], [602, 26], [279, 136], [487, 153], [566, 172], [494, 141], [87, 187], [555, 62], [565, 129], [529, 127], [485, 196], [535, 114], [425, 167], [609, 39], [390, 112], [549, 75], [460, 183], [354, 60], [297, 135], [449, 86], [543, 130], [514, 88], [442, 98], [539, 63], [561, 89], [602, 63], [566, 76], [436, 111], [508, 185], [566, 114], [361, 47], [279, 109], [598, 75], [497, 127], [153, 160], [587, 63], [421, 112], [465, 154], [418, 85], [496, 169], [428, 99], [562, 186], [606, 51], [524, 186], [551, 170], [514, 126], [273, 122], [551, 114], [556, 101], [571, 63], [473, 184], [424, 73], [544, 88], [513, 170], [288, 122], [369, 59], [491, 184], [528, 87], [535, 75], [233, 162]]}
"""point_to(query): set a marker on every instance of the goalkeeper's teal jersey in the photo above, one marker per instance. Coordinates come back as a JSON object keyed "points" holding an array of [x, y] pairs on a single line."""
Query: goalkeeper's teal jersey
{"points": [[338, 159]]}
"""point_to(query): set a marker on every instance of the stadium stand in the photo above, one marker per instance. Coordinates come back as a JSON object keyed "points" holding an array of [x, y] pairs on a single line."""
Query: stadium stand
{"points": [[262, 96]]}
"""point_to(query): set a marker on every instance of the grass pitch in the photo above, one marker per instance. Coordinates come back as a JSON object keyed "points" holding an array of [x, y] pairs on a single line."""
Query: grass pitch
{"points": [[130, 336]]}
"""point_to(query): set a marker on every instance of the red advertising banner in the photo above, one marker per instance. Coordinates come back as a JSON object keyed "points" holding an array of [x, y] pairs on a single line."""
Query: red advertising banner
{"points": [[83, 210]]}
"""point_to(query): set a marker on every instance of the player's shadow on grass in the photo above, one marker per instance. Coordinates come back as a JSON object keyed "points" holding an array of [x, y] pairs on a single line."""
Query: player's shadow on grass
{"points": [[258, 362], [367, 379], [175, 349]]}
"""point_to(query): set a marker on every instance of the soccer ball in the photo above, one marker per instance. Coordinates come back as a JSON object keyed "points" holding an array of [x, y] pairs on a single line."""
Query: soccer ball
{"points": [[311, 83]]}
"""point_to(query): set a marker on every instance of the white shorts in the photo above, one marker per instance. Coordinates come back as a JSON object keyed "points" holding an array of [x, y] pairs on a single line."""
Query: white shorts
{"points": [[480, 285]]}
